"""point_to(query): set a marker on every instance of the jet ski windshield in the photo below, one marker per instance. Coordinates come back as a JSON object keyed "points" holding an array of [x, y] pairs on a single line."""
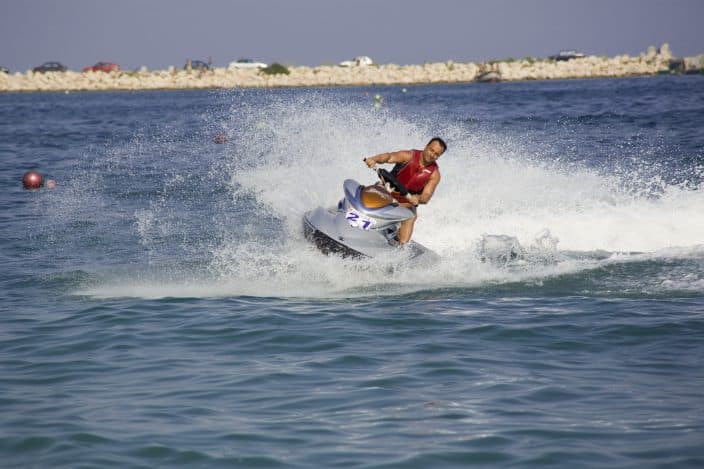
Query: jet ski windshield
{"points": [[376, 197]]}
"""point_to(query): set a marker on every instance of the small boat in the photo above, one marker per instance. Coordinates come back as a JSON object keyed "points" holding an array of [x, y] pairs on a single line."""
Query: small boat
{"points": [[489, 77]]}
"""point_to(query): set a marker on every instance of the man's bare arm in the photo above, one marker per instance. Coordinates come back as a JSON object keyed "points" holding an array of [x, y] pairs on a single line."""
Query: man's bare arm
{"points": [[429, 189], [403, 156]]}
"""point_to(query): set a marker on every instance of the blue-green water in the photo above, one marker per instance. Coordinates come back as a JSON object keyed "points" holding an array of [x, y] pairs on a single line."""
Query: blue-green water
{"points": [[160, 307]]}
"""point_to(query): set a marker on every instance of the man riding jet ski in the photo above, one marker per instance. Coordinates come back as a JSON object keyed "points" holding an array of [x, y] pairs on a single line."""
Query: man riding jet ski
{"points": [[372, 220], [418, 171]]}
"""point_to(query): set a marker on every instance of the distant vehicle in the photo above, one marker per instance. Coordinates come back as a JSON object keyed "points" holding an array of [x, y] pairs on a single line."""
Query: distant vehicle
{"points": [[567, 55], [50, 67], [4, 69], [197, 65], [102, 67], [361, 61], [246, 63]]}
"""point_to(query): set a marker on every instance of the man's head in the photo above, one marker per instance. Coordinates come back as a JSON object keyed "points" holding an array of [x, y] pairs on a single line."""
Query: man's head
{"points": [[434, 149]]}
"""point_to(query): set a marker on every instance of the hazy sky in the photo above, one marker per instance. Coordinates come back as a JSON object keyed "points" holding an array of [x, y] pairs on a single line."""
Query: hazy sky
{"points": [[159, 33]]}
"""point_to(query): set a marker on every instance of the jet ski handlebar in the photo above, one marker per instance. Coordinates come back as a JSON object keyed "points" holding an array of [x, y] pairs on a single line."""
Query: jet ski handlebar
{"points": [[390, 178]]}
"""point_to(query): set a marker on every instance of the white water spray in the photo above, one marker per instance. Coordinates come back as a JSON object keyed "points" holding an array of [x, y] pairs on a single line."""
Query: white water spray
{"points": [[291, 154]]}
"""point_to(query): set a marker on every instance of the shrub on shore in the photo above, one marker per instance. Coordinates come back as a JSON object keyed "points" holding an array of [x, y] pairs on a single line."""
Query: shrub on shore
{"points": [[507, 60], [275, 69]]}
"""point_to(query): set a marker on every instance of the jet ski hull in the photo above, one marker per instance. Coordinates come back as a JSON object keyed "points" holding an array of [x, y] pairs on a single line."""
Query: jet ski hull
{"points": [[326, 243], [332, 233]]}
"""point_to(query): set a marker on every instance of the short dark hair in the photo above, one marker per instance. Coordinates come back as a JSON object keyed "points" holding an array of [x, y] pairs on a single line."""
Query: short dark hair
{"points": [[440, 141]]}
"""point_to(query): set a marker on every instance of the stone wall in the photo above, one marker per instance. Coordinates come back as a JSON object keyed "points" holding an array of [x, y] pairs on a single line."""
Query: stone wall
{"points": [[648, 63]]}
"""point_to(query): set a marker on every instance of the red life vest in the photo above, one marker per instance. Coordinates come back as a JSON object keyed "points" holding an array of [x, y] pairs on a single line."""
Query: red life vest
{"points": [[413, 175]]}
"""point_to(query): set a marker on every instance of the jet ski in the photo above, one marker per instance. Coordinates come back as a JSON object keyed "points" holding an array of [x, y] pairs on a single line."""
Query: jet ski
{"points": [[365, 222]]}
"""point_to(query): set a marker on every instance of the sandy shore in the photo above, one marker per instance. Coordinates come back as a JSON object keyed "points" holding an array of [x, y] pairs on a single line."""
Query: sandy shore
{"points": [[652, 62]]}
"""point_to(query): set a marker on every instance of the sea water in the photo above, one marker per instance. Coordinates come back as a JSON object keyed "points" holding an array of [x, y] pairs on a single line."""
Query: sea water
{"points": [[161, 308]]}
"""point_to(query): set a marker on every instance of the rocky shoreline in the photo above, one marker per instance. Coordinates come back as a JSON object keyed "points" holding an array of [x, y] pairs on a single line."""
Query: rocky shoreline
{"points": [[652, 62]]}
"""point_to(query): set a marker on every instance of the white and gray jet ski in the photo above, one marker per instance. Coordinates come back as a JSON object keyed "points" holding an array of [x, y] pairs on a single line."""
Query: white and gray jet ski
{"points": [[365, 222]]}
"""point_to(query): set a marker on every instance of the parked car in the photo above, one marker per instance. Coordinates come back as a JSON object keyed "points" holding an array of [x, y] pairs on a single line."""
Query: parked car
{"points": [[361, 61], [4, 69], [246, 63], [50, 67], [196, 65], [567, 55], [102, 67]]}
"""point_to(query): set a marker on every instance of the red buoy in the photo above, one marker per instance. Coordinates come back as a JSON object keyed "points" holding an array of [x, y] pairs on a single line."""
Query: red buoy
{"points": [[32, 180]]}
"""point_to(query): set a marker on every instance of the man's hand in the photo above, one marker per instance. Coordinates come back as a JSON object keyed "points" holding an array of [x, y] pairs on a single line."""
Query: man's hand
{"points": [[412, 198], [370, 162]]}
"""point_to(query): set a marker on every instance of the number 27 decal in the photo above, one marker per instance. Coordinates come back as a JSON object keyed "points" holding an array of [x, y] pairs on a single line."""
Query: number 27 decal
{"points": [[358, 221]]}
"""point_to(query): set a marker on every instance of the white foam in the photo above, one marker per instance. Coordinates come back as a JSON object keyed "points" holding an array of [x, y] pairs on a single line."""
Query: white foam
{"points": [[484, 188], [293, 154]]}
